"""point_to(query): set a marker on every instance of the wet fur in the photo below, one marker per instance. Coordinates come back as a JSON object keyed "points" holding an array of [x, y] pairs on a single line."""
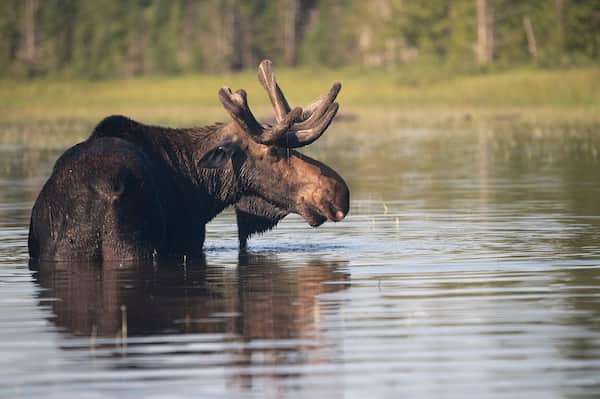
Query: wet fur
{"points": [[255, 216], [128, 191]]}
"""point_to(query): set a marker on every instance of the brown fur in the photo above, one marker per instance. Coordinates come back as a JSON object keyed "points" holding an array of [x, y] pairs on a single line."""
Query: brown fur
{"points": [[132, 190]]}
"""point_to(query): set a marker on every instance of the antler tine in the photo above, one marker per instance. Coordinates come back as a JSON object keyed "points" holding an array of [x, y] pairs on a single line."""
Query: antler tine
{"points": [[295, 128], [267, 80], [314, 111], [276, 133], [300, 138], [237, 106], [315, 120]]}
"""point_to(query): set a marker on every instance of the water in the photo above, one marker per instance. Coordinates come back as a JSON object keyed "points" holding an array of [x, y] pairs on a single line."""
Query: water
{"points": [[468, 267]]}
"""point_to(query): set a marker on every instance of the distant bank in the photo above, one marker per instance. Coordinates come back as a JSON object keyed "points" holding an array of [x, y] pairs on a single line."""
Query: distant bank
{"points": [[369, 97]]}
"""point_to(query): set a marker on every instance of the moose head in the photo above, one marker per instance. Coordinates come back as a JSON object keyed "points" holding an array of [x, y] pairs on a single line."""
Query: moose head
{"points": [[274, 179]]}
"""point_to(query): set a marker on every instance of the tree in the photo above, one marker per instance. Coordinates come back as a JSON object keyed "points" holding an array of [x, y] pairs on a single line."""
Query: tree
{"points": [[132, 37], [485, 32]]}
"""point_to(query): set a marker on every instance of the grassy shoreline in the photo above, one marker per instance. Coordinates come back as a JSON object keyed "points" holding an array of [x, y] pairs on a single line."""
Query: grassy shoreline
{"points": [[374, 99]]}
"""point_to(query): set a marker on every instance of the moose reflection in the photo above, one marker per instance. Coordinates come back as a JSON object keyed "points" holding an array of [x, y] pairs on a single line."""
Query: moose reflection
{"points": [[261, 299]]}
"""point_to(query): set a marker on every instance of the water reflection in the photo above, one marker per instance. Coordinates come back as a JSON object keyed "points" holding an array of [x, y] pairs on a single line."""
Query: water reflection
{"points": [[260, 299], [469, 265], [262, 313]]}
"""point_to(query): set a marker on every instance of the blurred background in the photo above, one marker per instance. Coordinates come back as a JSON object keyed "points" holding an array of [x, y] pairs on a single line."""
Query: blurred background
{"points": [[402, 62], [80, 38]]}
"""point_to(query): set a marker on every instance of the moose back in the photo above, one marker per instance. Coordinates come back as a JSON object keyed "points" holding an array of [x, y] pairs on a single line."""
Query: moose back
{"points": [[135, 191]]}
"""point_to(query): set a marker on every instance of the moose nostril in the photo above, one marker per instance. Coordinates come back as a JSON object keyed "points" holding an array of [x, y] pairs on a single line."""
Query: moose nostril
{"points": [[342, 200]]}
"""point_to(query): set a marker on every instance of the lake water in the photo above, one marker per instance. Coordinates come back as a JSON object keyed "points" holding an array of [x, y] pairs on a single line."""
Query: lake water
{"points": [[469, 266]]}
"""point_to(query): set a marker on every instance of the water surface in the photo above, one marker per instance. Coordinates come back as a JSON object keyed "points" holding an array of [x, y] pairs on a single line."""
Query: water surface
{"points": [[468, 266]]}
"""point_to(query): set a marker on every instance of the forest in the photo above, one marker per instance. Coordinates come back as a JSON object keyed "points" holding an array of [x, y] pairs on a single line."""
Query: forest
{"points": [[120, 39]]}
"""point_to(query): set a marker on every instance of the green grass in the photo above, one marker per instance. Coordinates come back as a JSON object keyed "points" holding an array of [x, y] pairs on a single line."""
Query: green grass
{"points": [[376, 98]]}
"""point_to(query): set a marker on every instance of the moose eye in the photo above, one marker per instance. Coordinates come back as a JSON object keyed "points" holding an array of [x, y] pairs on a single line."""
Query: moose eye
{"points": [[217, 157]]}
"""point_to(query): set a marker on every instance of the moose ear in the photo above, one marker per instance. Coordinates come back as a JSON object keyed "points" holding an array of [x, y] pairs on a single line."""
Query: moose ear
{"points": [[218, 156]]}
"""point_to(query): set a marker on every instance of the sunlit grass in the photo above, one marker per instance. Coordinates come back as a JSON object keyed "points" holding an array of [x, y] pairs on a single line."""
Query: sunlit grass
{"points": [[376, 99]]}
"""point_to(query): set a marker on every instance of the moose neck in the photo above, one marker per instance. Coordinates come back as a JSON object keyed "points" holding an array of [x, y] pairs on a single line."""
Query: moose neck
{"points": [[213, 189]]}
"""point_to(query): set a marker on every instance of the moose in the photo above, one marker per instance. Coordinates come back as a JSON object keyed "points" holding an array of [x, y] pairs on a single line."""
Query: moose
{"points": [[134, 191]]}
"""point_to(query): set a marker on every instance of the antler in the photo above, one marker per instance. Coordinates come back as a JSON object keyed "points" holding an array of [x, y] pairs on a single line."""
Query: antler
{"points": [[312, 122], [237, 106], [293, 127]]}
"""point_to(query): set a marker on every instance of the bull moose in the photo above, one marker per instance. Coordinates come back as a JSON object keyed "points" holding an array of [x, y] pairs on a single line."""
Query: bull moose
{"points": [[133, 191]]}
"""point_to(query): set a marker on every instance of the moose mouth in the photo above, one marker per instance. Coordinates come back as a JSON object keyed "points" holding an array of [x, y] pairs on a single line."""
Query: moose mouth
{"points": [[316, 217], [312, 217]]}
